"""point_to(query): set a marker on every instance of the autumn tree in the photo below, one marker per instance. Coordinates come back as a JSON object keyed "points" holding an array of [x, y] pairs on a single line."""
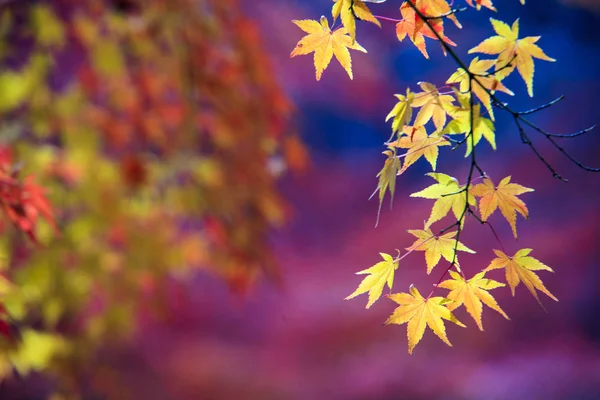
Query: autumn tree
{"points": [[127, 164], [439, 117]]}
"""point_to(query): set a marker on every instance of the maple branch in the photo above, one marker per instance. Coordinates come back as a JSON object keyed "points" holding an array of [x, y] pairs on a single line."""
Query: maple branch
{"points": [[455, 142], [481, 221], [454, 193], [526, 140], [460, 221], [517, 116], [446, 229], [572, 135], [559, 147], [536, 109]]}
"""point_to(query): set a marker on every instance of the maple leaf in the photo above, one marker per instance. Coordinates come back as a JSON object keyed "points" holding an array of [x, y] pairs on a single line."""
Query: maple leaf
{"points": [[435, 8], [23, 204], [387, 178], [519, 268], [480, 3], [419, 144], [436, 247], [433, 106], [325, 44], [512, 51], [379, 274], [401, 113], [503, 196], [416, 29], [419, 312], [480, 85], [471, 293], [449, 195], [349, 10], [465, 123]]}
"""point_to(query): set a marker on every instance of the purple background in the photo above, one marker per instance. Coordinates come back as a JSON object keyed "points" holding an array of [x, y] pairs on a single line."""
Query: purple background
{"points": [[302, 341]]}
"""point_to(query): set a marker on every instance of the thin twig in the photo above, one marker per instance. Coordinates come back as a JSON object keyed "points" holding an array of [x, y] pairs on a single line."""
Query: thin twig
{"points": [[518, 117]]}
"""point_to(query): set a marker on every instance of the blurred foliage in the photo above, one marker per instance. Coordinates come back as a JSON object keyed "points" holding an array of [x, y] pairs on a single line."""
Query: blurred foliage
{"points": [[157, 132]]}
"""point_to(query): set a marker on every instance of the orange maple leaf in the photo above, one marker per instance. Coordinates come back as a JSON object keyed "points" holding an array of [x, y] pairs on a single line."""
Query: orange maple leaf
{"points": [[503, 196], [415, 27], [519, 268]]}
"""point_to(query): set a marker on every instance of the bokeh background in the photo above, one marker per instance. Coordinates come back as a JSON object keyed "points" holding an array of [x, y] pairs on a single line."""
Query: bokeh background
{"points": [[299, 339]]}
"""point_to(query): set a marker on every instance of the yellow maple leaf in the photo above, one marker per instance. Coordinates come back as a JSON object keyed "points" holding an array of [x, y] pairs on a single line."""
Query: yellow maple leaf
{"points": [[480, 3], [483, 83], [325, 43], [349, 10], [420, 312], [379, 274], [387, 178], [401, 113], [433, 106], [449, 195], [435, 8], [466, 121], [436, 247], [419, 145], [519, 268], [503, 196], [512, 51], [471, 293]]}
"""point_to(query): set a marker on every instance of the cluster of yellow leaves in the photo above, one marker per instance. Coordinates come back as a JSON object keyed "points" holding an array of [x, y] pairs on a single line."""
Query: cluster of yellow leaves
{"points": [[419, 312], [468, 121], [485, 83], [459, 111], [433, 106]]}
